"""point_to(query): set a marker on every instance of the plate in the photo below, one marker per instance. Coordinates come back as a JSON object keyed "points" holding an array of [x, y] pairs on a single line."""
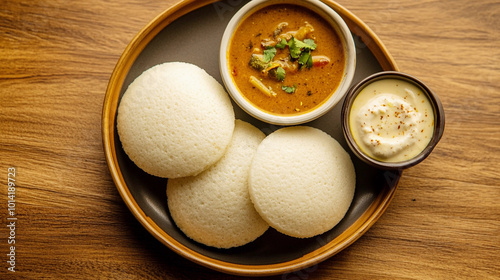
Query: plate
{"points": [[190, 31]]}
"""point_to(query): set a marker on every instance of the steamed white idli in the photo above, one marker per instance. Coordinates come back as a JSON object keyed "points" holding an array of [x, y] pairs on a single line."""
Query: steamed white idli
{"points": [[214, 207], [301, 181], [175, 120]]}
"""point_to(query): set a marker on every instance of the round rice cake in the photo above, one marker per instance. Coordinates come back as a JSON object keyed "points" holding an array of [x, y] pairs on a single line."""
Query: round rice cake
{"points": [[175, 120], [214, 207], [301, 181]]}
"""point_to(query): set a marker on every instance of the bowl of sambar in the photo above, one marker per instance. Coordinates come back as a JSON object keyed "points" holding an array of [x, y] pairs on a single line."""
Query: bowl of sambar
{"points": [[287, 62]]}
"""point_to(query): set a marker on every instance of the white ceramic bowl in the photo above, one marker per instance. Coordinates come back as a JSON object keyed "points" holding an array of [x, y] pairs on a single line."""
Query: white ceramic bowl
{"points": [[350, 62]]}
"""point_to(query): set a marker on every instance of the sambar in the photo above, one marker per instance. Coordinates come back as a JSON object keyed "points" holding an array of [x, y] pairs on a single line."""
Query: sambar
{"points": [[286, 59]]}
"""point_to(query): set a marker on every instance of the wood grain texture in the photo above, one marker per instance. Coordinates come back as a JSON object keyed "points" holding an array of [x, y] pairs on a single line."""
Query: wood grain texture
{"points": [[56, 58]]}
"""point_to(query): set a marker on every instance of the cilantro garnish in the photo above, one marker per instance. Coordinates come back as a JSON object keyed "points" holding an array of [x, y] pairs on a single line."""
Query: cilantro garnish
{"points": [[282, 44], [280, 73], [309, 63], [297, 47], [294, 47], [300, 51], [304, 57], [269, 54], [288, 89], [310, 43]]}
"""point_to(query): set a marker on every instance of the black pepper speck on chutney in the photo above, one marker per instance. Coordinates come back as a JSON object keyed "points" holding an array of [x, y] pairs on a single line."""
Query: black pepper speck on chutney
{"points": [[286, 59]]}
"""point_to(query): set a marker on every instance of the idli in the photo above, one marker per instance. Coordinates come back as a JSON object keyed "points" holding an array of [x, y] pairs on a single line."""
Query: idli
{"points": [[214, 207], [175, 120], [301, 181]]}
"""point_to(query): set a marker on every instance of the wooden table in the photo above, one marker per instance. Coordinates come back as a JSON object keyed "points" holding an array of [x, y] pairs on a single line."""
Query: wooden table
{"points": [[56, 58]]}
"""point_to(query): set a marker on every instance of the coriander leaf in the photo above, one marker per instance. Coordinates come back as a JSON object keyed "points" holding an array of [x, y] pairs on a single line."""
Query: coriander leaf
{"points": [[269, 54], [282, 44], [309, 63], [301, 45], [295, 47], [304, 57], [310, 43], [280, 73], [288, 89]]}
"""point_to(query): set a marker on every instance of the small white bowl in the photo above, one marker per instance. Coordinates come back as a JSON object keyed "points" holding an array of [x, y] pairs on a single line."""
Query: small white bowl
{"points": [[350, 62]]}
